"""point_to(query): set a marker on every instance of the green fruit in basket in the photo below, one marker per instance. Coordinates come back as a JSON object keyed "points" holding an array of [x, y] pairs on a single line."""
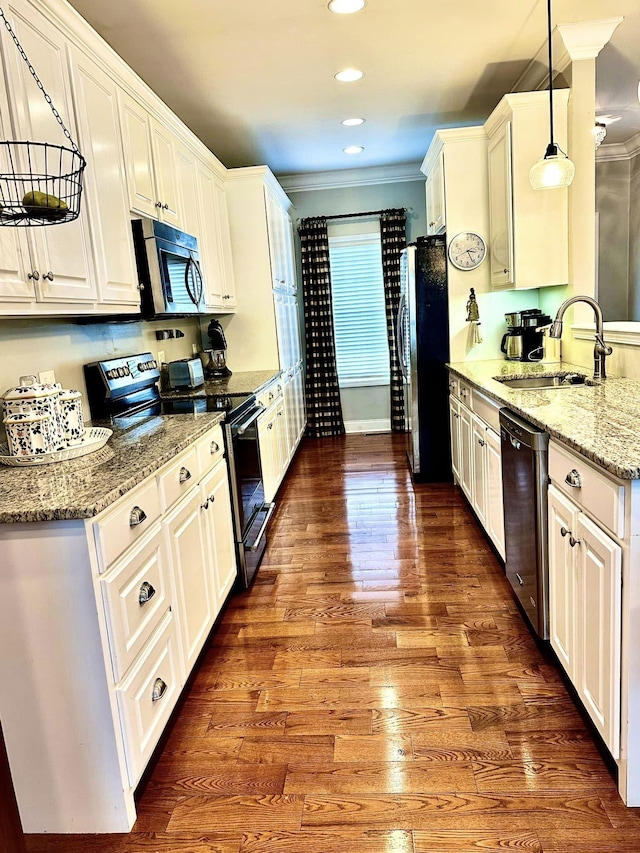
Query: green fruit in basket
{"points": [[44, 204]]}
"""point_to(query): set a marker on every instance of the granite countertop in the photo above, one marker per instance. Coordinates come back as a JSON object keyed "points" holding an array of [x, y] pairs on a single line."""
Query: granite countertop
{"points": [[247, 382], [83, 487], [599, 421]]}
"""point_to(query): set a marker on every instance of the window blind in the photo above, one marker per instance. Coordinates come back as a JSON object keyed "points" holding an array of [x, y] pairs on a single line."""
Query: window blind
{"points": [[362, 351]]}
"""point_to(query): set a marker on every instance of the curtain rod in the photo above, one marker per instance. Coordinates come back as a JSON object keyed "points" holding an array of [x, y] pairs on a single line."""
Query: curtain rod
{"points": [[364, 213]]}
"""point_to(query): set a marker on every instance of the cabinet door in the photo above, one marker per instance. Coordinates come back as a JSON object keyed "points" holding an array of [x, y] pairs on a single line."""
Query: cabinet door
{"points": [[283, 453], [478, 481], [494, 506], [466, 452], [192, 577], [301, 412], [136, 136], [163, 144], [106, 195], [63, 252], [268, 453], [454, 428], [275, 229], [186, 174], [501, 208], [562, 580], [435, 197], [223, 244], [219, 531], [598, 618], [208, 237]]}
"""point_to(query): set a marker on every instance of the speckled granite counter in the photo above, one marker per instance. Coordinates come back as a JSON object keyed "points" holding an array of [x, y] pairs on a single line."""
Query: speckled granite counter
{"points": [[83, 487], [247, 382], [599, 421]]}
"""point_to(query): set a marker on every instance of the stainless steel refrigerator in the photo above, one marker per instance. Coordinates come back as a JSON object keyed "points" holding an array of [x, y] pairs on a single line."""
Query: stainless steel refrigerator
{"points": [[423, 342]]}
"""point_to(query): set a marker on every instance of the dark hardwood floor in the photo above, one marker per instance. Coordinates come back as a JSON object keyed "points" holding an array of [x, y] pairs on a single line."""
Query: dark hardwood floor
{"points": [[376, 691]]}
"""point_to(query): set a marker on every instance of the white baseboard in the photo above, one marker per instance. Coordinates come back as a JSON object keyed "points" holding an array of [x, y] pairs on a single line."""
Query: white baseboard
{"points": [[375, 425]]}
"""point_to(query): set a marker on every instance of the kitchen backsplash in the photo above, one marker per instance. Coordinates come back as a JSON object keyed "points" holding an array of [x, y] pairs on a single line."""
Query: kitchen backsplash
{"points": [[31, 346]]}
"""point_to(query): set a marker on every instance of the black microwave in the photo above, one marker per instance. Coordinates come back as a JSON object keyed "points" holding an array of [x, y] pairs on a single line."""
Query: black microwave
{"points": [[169, 270]]}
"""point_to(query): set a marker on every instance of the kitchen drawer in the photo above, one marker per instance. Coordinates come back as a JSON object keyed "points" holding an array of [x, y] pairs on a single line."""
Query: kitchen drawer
{"points": [[592, 490], [176, 478], [269, 394], [210, 450], [147, 696], [461, 390], [125, 522], [453, 385], [135, 593], [487, 409]]}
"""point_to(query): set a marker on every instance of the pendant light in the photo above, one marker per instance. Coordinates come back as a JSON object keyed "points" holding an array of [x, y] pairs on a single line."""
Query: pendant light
{"points": [[555, 169]]}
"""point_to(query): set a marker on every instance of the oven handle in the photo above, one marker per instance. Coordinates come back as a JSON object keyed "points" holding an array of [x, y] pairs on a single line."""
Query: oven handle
{"points": [[270, 508], [244, 426]]}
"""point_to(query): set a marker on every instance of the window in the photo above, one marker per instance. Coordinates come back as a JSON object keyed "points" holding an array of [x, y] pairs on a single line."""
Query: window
{"points": [[359, 318]]}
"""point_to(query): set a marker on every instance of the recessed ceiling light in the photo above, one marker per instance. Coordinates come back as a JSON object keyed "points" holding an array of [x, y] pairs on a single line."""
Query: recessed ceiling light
{"points": [[346, 7], [349, 75], [353, 149], [352, 122]]}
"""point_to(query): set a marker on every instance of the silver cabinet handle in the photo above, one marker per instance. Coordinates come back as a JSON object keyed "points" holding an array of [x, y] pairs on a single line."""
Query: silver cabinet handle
{"points": [[573, 479], [159, 204], [456, 415], [165, 207], [270, 396], [185, 474], [34, 274], [564, 531], [481, 442], [463, 392], [48, 276], [270, 426], [505, 271], [159, 689], [137, 516], [214, 447], [279, 414], [573, 542], [145, 593], [205, 505], [212, 498]]}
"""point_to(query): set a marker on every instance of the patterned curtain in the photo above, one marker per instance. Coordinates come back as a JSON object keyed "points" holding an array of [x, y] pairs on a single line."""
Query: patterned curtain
{"points": [[394, 239], [324, 412]]}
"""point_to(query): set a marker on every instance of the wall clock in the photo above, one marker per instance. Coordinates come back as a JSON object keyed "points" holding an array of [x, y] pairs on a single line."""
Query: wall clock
{"points": [[467, 250]]}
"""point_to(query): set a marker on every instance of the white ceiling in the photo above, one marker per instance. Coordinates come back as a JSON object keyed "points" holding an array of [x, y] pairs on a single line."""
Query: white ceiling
{"points": [[254, 78]]}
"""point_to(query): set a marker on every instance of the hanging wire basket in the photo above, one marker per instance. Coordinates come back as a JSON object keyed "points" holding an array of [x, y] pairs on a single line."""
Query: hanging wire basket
{"points": [[40, 183]]}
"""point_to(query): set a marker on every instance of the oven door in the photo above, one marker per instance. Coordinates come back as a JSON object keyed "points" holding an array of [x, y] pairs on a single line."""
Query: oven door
{"points": [[250, 510]]}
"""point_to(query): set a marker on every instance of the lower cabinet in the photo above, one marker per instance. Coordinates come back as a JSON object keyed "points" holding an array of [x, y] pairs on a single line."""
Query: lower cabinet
{"points": [[585, 601], [476, 465], [220, 540], [273, 439]]}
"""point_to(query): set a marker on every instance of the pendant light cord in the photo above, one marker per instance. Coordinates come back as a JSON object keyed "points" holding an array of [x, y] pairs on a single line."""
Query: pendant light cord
{"points": [[550, 71]]}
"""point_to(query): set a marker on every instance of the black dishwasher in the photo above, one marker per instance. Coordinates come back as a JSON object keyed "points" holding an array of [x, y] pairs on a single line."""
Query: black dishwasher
{"points": [[524, 482]]}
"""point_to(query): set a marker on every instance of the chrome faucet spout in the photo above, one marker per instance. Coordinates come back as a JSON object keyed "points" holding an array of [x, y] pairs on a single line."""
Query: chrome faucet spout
{"points": [[601, 350]]}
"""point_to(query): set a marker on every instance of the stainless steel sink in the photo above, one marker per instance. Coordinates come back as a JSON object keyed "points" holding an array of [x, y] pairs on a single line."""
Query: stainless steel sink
{"points": [[544, 383]]}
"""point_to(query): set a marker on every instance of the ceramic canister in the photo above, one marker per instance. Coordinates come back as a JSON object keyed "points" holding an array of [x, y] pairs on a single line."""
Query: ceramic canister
{"points": [[72, 417], [29, 434], [31, 398]]}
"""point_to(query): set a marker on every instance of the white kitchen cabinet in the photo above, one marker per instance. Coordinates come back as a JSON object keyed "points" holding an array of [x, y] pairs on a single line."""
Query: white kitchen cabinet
{"points": [[186, 161], [434, 187], [274, 445], [58, 259], [585, 587], [220, 540], [214, 241], [528, 229], [96, 102], [150, 155], [465, 463], [478, 467], [454, 428], [494, 498]]}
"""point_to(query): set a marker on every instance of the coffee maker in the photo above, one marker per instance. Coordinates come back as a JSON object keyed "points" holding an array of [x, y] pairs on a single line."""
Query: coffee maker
{"points": [[214, 359], [524, 339]]}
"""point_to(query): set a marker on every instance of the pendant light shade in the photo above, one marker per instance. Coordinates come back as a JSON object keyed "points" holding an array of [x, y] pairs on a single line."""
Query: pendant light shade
{"points": [[555, 169]]}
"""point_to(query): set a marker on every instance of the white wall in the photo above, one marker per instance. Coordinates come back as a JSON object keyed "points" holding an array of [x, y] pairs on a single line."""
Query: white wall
{"points": [[30, 346]]}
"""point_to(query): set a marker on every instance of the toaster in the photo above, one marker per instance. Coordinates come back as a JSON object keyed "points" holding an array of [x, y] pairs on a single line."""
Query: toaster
{"points": [[185, 373]]}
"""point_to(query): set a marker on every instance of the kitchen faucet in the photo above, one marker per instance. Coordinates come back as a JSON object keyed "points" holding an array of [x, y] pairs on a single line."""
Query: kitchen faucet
{"points": [[600, 350]]}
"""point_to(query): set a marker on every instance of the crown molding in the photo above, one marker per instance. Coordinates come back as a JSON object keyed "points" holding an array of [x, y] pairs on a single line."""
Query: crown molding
{"points": [[586, 39], [619, 150], [351, 178]]}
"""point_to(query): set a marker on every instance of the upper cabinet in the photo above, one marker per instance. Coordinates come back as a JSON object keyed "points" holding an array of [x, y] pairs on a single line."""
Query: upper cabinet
{"points": [[436, 211], [528, 230], [150, 152]]}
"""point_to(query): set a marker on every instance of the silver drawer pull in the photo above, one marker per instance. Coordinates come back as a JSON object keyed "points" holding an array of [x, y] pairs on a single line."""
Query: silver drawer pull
{"points": [[159, 689], [564, 531], [573, 542], [146, 593], [205, 505], [214, 447], [463, 392], [573, 479], [270, 426], [212, 498], [520, 581], [137, 516], [481, 442], [185, 474], [270, 396]]}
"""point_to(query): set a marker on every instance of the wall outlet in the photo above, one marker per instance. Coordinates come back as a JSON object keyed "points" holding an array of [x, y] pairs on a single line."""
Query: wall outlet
{"points": [[194, 349], [47, 377], [160, 356]]}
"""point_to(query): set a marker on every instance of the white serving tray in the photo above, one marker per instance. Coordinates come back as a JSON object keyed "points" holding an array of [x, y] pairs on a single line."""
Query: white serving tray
{"points": [[94, 439]]}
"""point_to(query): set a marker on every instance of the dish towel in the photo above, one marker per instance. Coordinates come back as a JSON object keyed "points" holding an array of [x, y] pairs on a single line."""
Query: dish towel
{"points": [[473, 317]]}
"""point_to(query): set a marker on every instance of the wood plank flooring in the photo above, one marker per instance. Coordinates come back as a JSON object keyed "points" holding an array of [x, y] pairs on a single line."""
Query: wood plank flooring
{"points": [[376, 691]]}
